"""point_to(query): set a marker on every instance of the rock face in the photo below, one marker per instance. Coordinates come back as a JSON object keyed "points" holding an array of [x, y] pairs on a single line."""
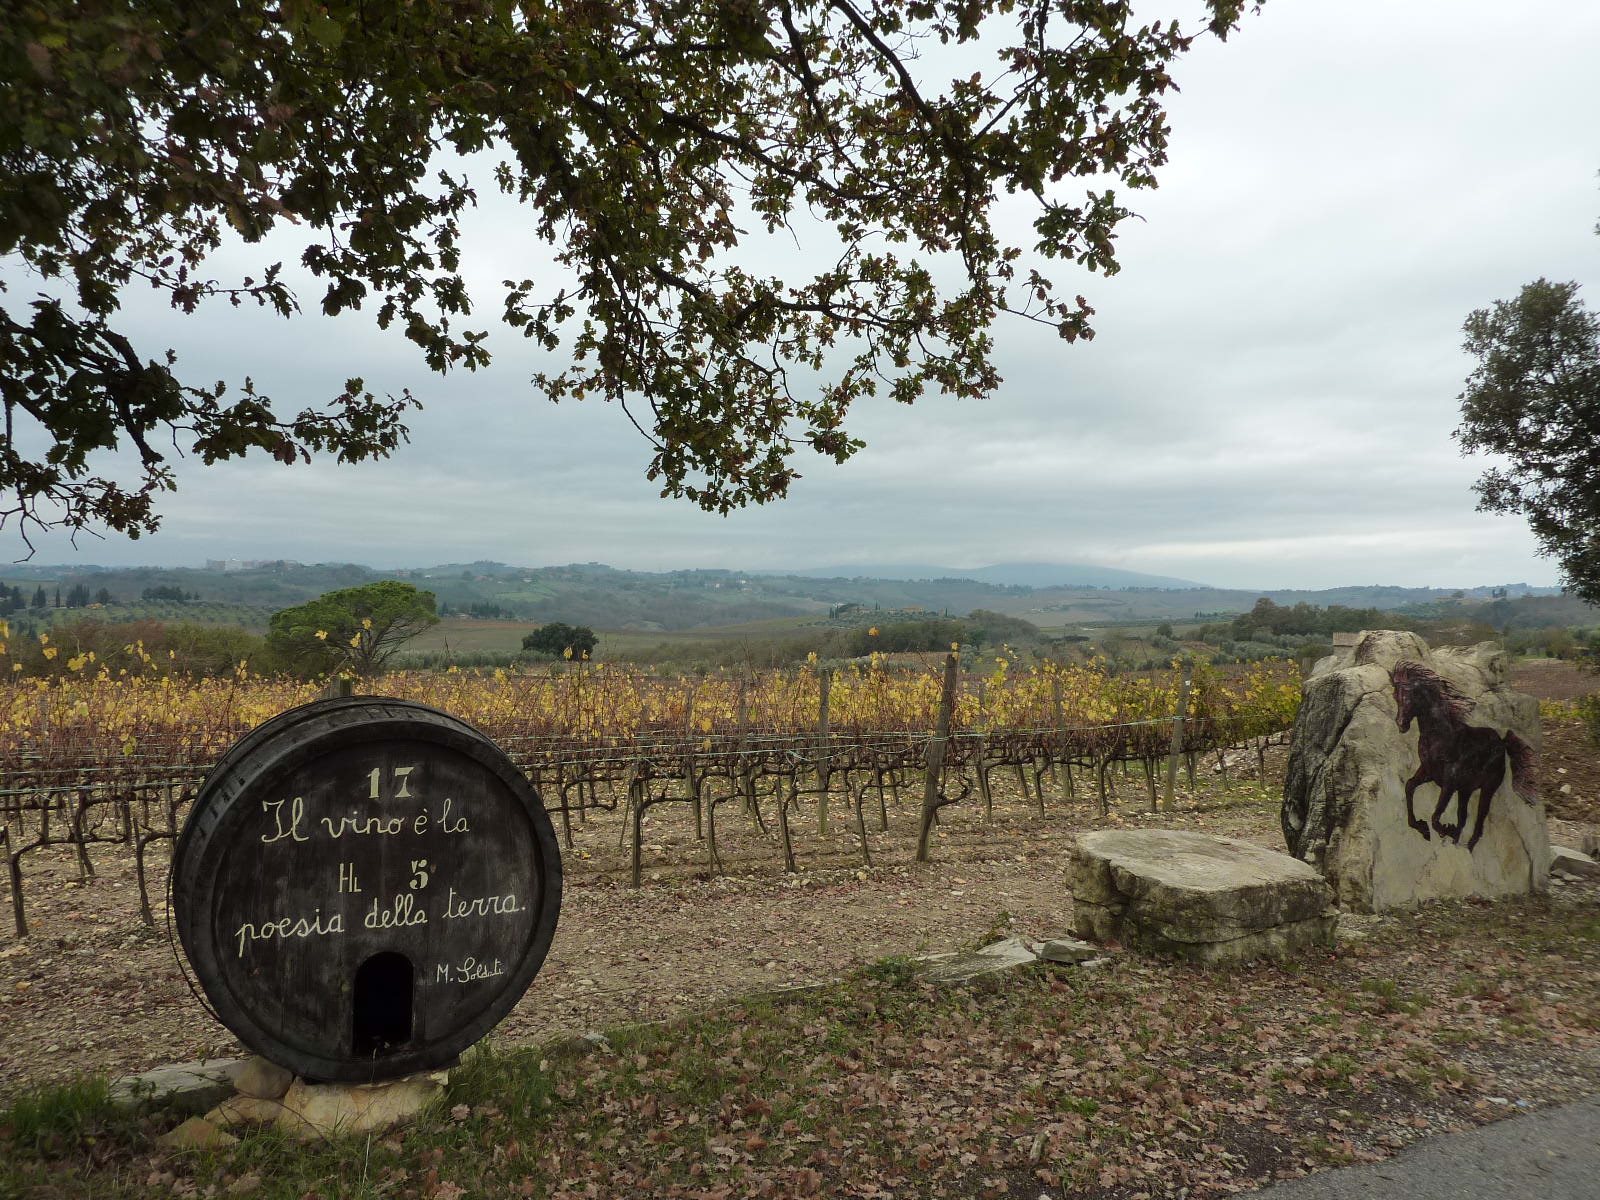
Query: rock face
{"points": [[1211, 899], [1413, 775]]}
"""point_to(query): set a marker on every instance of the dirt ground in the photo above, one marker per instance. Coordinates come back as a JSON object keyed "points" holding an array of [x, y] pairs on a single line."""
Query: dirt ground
{"points": [[93, 991], [1553, 679], [1567, 761]]}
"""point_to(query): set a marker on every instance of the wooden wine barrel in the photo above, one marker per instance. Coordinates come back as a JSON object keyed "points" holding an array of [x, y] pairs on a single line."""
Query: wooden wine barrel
{"points": [[364, 888]]}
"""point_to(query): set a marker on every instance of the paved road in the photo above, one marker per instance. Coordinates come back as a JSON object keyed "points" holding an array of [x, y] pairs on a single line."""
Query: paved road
{"points": [[1549, 1155]]}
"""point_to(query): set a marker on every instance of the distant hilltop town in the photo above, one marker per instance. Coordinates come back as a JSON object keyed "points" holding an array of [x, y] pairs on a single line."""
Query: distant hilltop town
{"points": [[248, 564]]}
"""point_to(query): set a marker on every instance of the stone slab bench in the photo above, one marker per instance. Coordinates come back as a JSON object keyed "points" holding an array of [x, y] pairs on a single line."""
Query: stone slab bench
{"points": [[1191, 895]]}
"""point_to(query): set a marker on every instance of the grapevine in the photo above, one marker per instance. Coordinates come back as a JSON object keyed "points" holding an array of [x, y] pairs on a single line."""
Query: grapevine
{"points": [[114, 751]]}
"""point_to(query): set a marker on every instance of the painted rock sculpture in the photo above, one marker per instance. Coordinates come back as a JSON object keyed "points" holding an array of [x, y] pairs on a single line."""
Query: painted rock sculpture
{"points": [[1413, 775]]}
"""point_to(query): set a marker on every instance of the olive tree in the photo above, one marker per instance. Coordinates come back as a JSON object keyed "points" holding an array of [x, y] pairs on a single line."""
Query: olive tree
{"points": [[562, 641]]}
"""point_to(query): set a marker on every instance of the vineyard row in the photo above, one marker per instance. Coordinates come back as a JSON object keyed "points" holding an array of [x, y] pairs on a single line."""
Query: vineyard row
{"points": [[96, 759]]}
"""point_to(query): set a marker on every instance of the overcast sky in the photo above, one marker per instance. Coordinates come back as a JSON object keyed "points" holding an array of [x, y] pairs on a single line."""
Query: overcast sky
{"points": [[1268, 403]]}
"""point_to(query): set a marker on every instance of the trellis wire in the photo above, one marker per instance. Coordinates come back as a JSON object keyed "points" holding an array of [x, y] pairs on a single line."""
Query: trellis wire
{"points": [[58, 787]]}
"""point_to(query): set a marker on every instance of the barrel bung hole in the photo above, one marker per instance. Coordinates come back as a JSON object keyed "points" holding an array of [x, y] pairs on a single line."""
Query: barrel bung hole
{"points": [[382, 1009]]}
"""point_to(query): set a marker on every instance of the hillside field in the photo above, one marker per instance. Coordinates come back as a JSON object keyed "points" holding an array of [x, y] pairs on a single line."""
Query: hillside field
{"points": [[467, 635]]}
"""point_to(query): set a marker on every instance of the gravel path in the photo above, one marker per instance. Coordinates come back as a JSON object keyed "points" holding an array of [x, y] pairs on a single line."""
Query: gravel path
{"points": [[1548, 1155]]}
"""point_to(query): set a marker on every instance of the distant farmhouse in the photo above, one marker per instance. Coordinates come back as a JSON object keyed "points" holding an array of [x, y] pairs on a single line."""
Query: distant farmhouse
{"points": [[247, 564]]}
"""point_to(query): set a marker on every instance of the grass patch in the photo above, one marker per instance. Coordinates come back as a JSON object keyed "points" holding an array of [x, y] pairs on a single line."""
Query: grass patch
{"points": [[55, 1120], [999, 928], [55, 1135], [1036, 1080], [894, 970]]}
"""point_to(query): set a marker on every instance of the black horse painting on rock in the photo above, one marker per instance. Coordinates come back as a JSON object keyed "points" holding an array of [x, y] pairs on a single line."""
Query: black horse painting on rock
{"points": [[1460, 758]]}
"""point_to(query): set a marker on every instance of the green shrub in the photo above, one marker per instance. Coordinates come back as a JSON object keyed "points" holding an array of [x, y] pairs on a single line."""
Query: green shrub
{"points": [[1588, 709]]}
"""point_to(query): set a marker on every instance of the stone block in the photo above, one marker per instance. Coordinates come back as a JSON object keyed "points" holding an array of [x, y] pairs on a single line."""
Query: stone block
{"points": [[1067, 950], [188, 1087], [196, 1134], [999, 956], [262, 1079], [1574, 862], [1194, 896], [312, 1110], [245, 1110]]}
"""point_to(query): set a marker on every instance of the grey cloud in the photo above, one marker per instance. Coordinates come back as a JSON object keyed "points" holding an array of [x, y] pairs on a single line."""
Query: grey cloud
{"points": [[1268, 402]]}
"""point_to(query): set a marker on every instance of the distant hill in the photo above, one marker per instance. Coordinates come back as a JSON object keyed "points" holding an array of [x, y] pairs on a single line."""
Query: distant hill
{"points": [[1088, 606], [1032, 575], [603, 597]]}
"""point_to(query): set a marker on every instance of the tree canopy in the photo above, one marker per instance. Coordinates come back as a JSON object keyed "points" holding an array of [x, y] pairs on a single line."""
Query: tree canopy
{"points": [[645, 140], [1535, 398], [562, 641], [356, 629]]}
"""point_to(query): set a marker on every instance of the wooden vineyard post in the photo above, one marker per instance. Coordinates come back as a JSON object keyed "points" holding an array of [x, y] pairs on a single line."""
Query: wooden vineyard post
{"points": [[979, 764], [579, 722], [690, 777], [936, 751], [19, 916], [44, 809], [711, 836], [747, 774], [824, 686], [1176, 747], [1060, 744]]}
